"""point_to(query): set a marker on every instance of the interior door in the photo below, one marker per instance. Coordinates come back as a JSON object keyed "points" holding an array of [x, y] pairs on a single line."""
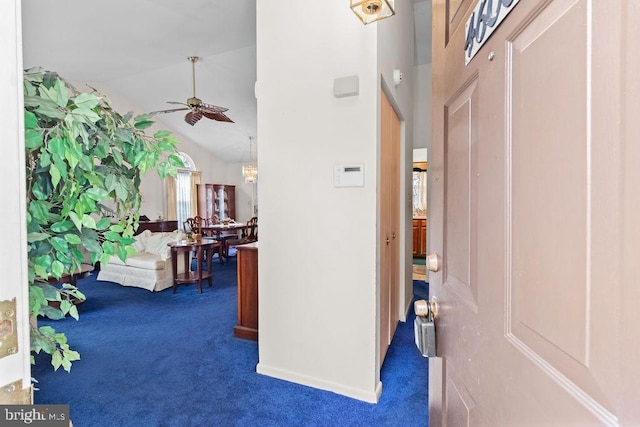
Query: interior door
{"points": [[389, 223], [529, 186]]}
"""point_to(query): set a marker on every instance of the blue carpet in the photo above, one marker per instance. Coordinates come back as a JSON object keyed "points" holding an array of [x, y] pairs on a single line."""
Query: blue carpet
{"points": [[164, 359]]}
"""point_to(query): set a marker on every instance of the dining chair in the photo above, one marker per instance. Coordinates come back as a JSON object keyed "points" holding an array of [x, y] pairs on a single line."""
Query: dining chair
{"points": [[222, 236], [196, 224], [193, 225], [249, 235]]}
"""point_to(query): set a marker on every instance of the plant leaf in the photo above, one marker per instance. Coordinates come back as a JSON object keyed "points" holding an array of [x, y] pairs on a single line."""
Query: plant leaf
{"points": [[30, 120], [88, 221], [61, 226], [74, 239], [36, 237], [87, 101], [32, 139], [57, 268], [39, 210], [60, 244], [85, 115], [61, 93], [76, 220], [56, 360], [103, 223], [55, 175]]}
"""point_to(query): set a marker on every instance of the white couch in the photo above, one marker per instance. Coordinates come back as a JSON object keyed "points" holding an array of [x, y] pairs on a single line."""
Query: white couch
{"points": [[150, 267]]}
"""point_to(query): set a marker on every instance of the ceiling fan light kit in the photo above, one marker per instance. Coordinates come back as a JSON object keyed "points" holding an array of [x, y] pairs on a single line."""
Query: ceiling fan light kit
{"points": [[194, 105]]}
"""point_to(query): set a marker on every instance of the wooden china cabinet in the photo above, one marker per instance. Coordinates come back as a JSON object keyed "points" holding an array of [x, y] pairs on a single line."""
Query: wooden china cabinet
{"points": [[217, 199]]}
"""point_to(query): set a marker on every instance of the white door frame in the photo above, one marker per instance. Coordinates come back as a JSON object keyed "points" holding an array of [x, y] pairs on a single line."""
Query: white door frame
{"points": [[15, 367]]}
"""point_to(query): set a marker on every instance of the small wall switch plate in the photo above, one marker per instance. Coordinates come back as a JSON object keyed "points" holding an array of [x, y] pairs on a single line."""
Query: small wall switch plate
{"points": [[346, 86]]}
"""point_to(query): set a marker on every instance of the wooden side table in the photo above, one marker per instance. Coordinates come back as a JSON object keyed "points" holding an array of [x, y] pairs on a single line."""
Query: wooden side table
{"points": [[247, 326], [202, 248]]}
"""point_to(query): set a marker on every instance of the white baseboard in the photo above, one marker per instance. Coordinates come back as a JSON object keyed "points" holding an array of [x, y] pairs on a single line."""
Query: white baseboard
{"points": [[367, 396]]}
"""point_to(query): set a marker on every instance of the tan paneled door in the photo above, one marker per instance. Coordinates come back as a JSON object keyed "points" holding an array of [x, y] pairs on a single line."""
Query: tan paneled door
{"points": [[389, 223], [534, 217]]}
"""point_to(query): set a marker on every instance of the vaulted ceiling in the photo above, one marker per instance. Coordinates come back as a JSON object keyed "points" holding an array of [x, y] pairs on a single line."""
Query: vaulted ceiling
{"points": [[139, 48]]}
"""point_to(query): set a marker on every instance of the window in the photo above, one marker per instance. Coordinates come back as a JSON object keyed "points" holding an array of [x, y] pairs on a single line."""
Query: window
{"points": [[183, 196]]}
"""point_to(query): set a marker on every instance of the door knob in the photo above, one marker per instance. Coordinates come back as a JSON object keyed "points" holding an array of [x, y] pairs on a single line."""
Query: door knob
{"points": [[388, 241], [433, 262], [427, 308], [421, 308], [394, 235]]}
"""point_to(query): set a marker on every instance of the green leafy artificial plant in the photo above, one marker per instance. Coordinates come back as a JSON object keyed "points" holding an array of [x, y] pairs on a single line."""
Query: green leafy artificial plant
{"points": [[83, 163]]}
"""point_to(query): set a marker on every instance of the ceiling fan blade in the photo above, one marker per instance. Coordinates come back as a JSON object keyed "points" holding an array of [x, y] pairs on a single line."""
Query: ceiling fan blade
{"points": [[212, 108], [176, 102], [168, 111], [192, 117], [221, 117]]}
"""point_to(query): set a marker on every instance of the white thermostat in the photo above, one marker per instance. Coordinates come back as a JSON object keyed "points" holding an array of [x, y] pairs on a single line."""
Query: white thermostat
{"points": [[351, 175]]}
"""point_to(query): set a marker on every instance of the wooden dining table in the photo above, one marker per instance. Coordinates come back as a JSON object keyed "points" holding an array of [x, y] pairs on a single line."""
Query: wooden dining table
{"points": [[216, 230]]}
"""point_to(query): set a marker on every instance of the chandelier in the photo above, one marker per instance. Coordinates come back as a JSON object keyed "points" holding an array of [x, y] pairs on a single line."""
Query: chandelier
{"points": [[372, 10], [250, 171]]}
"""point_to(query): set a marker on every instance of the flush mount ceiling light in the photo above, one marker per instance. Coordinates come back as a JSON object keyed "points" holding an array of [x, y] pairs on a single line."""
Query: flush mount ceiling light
{"points": [[372, 10]]}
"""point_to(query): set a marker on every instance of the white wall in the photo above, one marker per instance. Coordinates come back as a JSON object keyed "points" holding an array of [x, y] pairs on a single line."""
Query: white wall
{"points": [[317, 270], [422, 106]]}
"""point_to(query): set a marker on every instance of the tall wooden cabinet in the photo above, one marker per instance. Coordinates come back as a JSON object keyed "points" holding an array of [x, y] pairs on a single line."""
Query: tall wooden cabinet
{"points": [[217, 199], [247, 326]]}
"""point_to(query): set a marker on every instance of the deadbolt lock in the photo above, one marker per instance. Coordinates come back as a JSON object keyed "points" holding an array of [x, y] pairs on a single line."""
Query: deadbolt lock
{"points": [[433, 306], [427, 308], [424, 326]]}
